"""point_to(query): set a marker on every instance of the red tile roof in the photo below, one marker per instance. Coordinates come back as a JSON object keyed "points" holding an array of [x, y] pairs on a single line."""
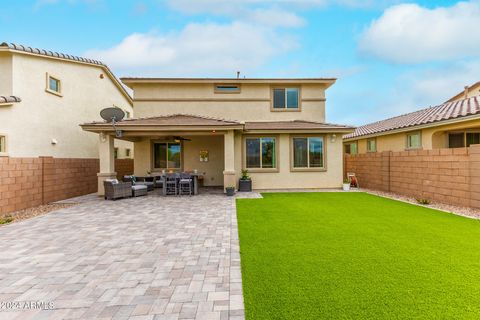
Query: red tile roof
{"points": [[443, 112], [43, 52], [9, 99]]}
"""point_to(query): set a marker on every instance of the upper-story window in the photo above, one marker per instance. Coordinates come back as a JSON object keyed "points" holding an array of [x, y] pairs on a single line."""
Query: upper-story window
{"points": [[127, 114], [227, 88], [286, 98], [54, 85]]}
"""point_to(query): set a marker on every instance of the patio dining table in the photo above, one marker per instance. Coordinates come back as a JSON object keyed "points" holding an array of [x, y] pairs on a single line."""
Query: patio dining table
{"points": [[195, 176]]}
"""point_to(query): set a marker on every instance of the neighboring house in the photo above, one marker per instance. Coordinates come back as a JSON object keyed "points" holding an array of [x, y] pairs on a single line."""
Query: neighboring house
{"points": [[44, 95], [469, 91], [274, 128], [453, 124]]}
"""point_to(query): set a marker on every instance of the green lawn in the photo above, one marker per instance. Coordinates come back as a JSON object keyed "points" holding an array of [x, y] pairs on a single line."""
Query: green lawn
{"points": [[356, 256]]}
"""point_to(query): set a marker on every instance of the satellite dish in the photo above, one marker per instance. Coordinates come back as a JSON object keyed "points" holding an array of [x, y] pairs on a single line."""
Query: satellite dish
{"points": [[112, 114]]}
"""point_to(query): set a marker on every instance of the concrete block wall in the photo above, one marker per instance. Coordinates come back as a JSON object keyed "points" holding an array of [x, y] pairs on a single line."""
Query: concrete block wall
{"points": [[29, 182], [450, 176]]}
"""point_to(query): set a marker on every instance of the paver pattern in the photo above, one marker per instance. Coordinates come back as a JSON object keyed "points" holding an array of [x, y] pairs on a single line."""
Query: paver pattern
{"points": [[141, 258]]}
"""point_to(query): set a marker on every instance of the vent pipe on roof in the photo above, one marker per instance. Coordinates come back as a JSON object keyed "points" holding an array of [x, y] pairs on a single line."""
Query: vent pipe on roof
{"points": [[465, 93], [238, 74]]}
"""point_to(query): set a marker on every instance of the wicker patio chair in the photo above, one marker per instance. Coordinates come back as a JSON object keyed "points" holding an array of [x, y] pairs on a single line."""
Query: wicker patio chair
{"points": [[116, 190], [185, 184]]}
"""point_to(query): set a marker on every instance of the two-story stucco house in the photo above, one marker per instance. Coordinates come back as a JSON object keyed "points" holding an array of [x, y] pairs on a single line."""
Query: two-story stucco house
{"points": [[274, 128], [44, 95]]}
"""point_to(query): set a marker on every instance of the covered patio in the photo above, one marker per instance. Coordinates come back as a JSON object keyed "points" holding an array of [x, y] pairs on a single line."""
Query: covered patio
{"points": [[174, 143]]}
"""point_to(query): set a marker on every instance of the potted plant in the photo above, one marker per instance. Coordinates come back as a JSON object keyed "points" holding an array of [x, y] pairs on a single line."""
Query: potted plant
{"points": [[245, 183], [346, 185], [230, 191]]}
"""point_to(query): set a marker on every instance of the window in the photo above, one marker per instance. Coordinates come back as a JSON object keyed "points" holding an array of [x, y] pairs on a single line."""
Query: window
{"points": [[308, 152], [462, 139], [127, 153], [260, 153], [285, 98], [115, 153], [372, 145], [473, 138], [3, 144], [414, 140], [127, 114], [227, 88], [167, 155], [351, 148], [456, 140], [54, 85]]}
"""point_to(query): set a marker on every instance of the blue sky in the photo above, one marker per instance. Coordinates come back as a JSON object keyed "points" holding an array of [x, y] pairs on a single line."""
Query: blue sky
{"points": [[391, 57]]}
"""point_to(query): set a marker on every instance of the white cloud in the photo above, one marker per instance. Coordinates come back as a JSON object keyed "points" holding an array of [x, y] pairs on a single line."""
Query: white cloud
{"points": [[275, 18], [222, 7], [409, 33], [198, 49]]}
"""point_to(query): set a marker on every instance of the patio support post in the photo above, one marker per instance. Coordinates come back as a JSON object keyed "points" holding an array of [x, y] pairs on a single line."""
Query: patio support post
{"points": [[229, 170], [107, 161]]}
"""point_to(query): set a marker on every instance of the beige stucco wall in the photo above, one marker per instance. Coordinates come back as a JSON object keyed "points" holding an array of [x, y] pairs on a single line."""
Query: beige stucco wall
{"points": [[287, 179], [283, 179], [41, 116], [253, 103], [432, 138], [6, 75], [191, 157]]}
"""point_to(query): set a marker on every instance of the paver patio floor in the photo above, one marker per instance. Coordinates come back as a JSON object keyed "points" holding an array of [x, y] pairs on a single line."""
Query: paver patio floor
{"points": [[140, 258]]}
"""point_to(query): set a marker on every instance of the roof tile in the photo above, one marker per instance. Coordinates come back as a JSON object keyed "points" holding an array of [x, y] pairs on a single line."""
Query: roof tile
{"points": [[443, 112], [9, 99]]}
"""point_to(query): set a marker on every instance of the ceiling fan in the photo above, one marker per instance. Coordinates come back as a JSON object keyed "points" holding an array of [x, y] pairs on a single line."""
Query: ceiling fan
{"points": [[178, 139]]}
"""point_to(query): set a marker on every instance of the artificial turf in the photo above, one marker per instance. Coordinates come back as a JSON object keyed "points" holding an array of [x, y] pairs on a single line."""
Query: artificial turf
{"points": [[356, 256]]}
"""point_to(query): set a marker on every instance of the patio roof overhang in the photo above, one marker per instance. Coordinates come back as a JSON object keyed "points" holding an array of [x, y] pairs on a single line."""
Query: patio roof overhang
{"points": [[196, 125], [164, 125]]}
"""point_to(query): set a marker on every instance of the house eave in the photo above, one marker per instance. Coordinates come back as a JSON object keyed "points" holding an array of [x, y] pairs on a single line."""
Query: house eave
{"points": [[130, 82]]}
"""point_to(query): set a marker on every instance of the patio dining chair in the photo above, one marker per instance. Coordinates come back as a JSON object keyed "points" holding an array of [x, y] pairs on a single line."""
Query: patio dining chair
{"points": [[170, 184], [185, 184]]}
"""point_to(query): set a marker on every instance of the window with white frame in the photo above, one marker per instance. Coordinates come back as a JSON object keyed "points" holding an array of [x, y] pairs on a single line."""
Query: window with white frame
{"points": [[308, 152], [286, 98], [54, 85], [260, 153], [414, 140]]}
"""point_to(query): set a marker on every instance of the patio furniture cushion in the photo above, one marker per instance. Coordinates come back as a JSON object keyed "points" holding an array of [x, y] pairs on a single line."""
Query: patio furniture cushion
{"points": [[112, 181], [139, 190]]}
